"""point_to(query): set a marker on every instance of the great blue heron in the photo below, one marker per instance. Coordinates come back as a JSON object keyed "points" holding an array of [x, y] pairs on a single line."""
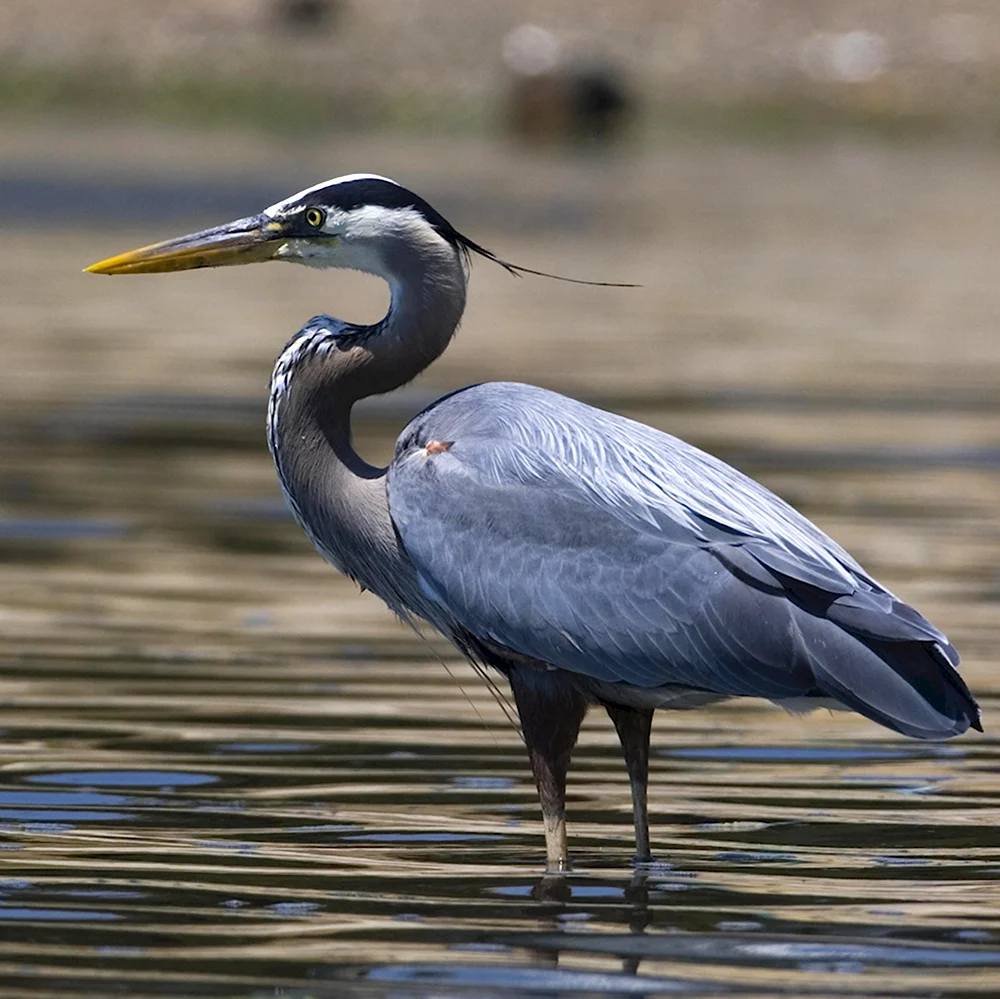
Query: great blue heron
{"points": [[588, 558]]}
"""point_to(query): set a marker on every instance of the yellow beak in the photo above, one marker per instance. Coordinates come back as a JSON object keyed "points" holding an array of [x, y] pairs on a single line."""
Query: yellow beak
{"points": [[244, 241]]}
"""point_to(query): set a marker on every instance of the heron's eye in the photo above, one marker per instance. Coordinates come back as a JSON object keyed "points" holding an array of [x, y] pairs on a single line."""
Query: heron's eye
{"points": [[314, 217]]}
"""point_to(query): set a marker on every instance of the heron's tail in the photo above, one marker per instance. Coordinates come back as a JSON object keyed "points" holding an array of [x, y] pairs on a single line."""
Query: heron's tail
{"points": [[910, 687]]}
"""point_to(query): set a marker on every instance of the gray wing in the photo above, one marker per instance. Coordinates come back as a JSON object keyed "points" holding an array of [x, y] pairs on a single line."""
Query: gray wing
{"points": [[607, 548]]}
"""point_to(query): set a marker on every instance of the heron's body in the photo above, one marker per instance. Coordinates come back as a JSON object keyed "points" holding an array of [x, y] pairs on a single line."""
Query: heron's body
{"points": [[589, 558]]}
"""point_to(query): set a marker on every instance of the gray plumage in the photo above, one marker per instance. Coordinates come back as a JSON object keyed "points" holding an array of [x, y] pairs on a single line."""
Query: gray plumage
{"points": [[584, 539], [588, 558]]}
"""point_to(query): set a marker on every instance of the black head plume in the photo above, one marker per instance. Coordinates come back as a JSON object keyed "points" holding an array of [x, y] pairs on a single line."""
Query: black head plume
{"points": [[468, 247]]}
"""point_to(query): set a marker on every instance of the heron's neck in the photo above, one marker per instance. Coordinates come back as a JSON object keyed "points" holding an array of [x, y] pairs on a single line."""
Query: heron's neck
{"points": [[337, 496]]}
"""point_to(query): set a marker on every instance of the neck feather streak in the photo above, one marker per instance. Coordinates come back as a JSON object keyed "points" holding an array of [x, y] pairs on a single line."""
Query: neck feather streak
{"points": [[338, 497]]}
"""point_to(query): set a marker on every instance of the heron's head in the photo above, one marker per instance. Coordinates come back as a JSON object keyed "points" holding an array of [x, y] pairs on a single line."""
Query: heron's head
{"points": [[353, 222], [361, 222]]}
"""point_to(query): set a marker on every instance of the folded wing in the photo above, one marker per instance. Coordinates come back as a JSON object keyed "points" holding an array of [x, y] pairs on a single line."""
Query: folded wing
{"points": [[607, 548]]}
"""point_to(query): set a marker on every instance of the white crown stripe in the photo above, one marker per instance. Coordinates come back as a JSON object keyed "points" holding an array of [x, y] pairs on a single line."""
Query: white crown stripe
{"points": [[346, 179]]}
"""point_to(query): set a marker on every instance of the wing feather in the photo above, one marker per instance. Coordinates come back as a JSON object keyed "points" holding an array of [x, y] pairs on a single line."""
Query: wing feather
{"points": [[607, 548]]}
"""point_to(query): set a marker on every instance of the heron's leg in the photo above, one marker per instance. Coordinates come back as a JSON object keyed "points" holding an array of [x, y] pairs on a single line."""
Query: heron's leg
{"points": [[633, 726], [551, 712]]}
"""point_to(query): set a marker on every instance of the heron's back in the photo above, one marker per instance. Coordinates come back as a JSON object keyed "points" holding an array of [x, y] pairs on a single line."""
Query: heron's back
{"points": [[607, 548]]}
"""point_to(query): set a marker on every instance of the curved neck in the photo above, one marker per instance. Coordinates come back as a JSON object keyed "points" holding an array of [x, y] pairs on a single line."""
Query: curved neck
{"points": [[427, 297], [337, 497]]}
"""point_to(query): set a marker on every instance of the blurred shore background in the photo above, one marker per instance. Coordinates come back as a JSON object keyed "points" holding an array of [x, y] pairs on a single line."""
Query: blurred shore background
{"points": [[308, 64]]}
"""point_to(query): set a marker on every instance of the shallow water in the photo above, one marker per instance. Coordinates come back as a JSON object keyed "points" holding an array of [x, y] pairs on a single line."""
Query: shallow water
{"points": [[226, 772]]}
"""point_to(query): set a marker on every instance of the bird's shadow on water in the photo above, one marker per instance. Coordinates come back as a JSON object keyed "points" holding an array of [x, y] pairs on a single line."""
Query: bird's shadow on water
{"points": [[553, 903], [552, 958], [555, 892]]}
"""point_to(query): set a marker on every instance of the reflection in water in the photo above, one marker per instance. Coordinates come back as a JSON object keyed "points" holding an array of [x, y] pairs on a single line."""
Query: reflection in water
{"points": [[226, 772]]}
